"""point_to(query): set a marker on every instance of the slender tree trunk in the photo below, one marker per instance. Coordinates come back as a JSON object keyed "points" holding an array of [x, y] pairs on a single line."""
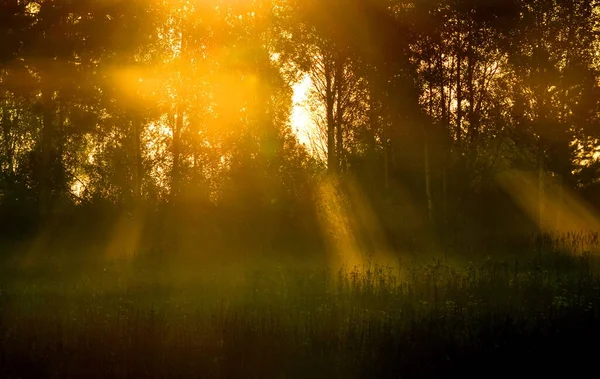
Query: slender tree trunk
{"points": [[442, 90], [540, 155], [386, 167], [7, 124], [458, 132], [541, 90], [339, 68], [178, 124], [60, 124], [426, 149], [540, 164], [46, 152], [449, 99], [430, 83], [561, 201], [375, 125], [563, 114], [332, 164], [428, 192], [444, 220], [136, 127], [473, 127], [445, 120], [176, 169], [426, 160]]}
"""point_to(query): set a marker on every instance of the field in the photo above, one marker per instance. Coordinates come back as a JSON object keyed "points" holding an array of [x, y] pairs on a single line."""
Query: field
{"points": [[533, 312]]}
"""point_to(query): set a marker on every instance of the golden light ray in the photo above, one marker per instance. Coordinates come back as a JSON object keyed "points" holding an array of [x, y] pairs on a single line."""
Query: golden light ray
{"points": [[350, 226], [373, 238], [562, 211], [336, 226], [125, 239]]}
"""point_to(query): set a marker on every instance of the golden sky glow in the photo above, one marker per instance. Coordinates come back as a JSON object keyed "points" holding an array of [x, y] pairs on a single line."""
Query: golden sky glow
{"points": [[301, 120]]}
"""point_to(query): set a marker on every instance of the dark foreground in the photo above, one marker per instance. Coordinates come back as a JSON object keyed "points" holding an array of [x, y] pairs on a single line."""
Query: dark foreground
{"points": [[496, 318]]}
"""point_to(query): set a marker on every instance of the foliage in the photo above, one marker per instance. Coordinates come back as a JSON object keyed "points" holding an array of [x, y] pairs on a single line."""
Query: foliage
{"points": [[142, 108]]}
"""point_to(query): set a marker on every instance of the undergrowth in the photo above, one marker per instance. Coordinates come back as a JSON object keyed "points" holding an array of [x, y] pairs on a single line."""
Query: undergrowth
{"points": [[491, 318]]}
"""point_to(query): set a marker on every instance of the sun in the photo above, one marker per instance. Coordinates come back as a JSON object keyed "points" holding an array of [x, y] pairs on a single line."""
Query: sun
{"points": [[301, 120]]}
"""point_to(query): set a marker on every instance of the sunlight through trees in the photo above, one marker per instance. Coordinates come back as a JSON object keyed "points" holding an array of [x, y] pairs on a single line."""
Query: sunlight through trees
{"points": [[213, 115]]}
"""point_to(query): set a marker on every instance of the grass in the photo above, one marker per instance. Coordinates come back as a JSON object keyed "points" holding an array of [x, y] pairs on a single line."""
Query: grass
{"points": [[495, 317]]}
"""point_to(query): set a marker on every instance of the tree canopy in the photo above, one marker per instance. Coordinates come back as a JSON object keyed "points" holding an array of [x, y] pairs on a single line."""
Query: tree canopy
{"points": [[433, 118]]}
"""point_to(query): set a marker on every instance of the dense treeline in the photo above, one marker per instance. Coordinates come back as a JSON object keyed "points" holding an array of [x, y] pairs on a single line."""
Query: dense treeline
{"points": [[168, 121]]}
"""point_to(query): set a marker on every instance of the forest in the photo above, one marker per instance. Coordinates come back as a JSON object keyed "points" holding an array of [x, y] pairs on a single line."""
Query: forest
{"points": [[299, 188]]}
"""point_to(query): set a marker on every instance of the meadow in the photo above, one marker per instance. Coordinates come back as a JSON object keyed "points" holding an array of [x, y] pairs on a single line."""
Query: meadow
{"points": [[532, 312]]}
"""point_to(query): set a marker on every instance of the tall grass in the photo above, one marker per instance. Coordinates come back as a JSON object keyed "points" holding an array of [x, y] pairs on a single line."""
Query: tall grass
{"points": [[537, 315]]}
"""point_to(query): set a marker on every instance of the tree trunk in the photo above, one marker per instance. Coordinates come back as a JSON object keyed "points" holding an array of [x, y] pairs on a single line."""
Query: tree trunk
{"points": [[329, 100], [561, 201], [7, 124], [427, 168], [563, 115], [178, 124], [428, 191], [445, 121], [137, 161], [176, 169], [540, 164], [375, 125], [444, 221], [473, 127], [339, 67], [46, 152], [442, 89], [458, 132]]}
